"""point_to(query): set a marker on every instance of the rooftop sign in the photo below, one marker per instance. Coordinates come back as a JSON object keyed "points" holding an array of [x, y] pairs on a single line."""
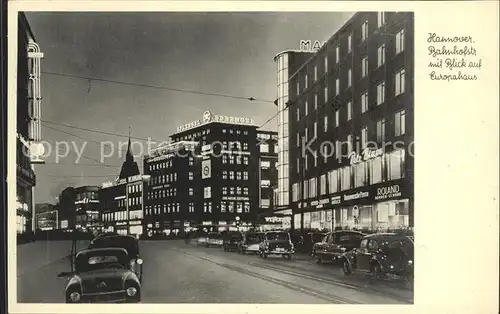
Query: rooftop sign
{"points": [[208, 117], [309, 45]]}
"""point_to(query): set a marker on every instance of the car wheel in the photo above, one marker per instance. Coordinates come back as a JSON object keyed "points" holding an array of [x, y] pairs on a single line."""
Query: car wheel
{"points": [[264, 255], [288, 257], [346, 267], [319, 259]]}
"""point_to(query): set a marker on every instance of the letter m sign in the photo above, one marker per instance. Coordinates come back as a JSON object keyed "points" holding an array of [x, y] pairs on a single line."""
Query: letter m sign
{"points": [[305, 45]]}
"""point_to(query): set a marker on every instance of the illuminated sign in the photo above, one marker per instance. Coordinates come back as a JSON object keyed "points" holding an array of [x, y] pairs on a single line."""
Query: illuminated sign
{"points": [[309, 45], [366, 154], [208, 117], [388, 192]]}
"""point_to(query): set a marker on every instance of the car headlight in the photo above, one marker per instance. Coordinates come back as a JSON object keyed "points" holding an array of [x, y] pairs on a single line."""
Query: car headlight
{"points": [[75, 297], [131, 291]]}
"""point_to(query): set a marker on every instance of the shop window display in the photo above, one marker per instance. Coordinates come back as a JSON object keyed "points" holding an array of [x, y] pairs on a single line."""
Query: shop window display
{"points": [[297, 221]]}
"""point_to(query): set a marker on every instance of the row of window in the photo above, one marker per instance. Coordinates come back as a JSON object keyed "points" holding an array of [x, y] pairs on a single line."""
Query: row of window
{"points": [[122, 215], [383, 168], [399, 129], [162, 179], [167, 208], [235, 175], [159, 194], [132, 201], [235, 190], [232, 207], [162, 165], [235, 159], [399, 88], [135, 188], [232, 131], [87, 195]]}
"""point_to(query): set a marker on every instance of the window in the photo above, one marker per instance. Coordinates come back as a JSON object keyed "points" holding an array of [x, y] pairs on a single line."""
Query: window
{"points": [[315, 101], [298, 114], [306, 136], [381, 130], [349, 111], [337, 118], [360, 175], [364, 67], [346, 178], [326, 94], [381, 19], [337, 87], [298, 165], [306, 161], [315, 129], [306, 81], [376, 170], [295, 192], [265, 183], [305, 108], [245, 175], [208, 192], [364, 137], [326, 63], [246, 207], [381, 55], [231, 175], [223, 207], [400, 41], [349, 43], [364, 31], [325, 153], [264, 148], [349, 78], [395, 164], [400, 82], [380, 93], [337, 54], [265, 164], [325, 123], [305, 189], [322, 184], [245, 160], [298, 139], [312, 187], [315, 73], [298, 87], [191, 191], [350, 142], [364, 102], [399, 123], [191, 207]]}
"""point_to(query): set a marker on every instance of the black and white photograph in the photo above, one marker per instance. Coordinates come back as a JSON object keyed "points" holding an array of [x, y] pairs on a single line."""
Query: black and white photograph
{"points": [[215, 157]]}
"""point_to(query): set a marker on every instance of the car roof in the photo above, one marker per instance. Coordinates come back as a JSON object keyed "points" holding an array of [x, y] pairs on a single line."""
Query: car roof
{"points": [[101, 251], [108, 236], [385, 236]]}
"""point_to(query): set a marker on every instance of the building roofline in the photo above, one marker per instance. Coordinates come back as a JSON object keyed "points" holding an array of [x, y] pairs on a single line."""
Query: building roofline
{"points": [[290, 51]]}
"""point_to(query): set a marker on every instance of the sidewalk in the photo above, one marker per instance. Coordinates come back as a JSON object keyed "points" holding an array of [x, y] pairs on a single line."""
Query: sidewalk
{"points": [[40, 253]]}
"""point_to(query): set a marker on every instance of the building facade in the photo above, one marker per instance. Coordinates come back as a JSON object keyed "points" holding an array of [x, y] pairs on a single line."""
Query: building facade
{"points": [[87, 208], [67, 209], [351, 127], [268, 171], [28, 125], [121, 202], [172, 202], [287, 63]]}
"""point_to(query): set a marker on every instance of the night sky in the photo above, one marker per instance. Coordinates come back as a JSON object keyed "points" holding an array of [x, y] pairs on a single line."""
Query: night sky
{"points": [[225, 53]]}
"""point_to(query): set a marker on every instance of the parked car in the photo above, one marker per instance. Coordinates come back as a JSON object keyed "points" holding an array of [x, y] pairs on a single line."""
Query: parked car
{"points": [[277, 243], [202, 239], [102, 276], [214, 239], [127, 242], [335, 244], [311, 239], [231, 241], [250, 243], [382, 255]]}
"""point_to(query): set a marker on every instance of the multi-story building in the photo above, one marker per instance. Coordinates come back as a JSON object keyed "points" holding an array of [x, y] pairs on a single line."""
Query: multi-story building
{"points": [[229, 168], [287, 62], [121, 202], [28, 124], [351, 127], [67, 209], [172, 193], [87, 208], [268, 176]]}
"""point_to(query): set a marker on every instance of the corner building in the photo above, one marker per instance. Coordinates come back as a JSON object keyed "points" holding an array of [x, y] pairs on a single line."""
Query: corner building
{"points": [[351, 128]]}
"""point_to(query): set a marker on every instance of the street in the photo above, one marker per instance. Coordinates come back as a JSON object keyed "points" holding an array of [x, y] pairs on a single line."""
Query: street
{"points": [[176, 272]]}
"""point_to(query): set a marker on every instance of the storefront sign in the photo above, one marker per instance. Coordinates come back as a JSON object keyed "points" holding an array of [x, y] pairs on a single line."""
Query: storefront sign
{"points": [[335, 200], [324, 201], [388, 192], [273, 219], [135, 222], [120, 197], [356, 196], [366, 154], [206, 223], [314, 203], [235, 198]]}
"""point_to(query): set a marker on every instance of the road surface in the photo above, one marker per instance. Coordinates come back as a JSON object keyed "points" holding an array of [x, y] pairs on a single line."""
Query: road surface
{"points": [[176, 272]]}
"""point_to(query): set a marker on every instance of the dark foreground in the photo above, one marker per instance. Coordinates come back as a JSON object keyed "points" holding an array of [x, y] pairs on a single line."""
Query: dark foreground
{"points": [[176, 272]]}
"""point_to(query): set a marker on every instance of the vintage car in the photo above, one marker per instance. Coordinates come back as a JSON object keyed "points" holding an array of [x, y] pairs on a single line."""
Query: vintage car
{"points": [[382, 255], [311, 239], [250, 243], [277, 243], [214, 239], [129, 243], [102, 276], [335, 244], [231, 241]]}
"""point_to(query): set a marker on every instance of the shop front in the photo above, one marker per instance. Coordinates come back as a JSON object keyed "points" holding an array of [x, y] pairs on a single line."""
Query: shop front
{"points": [[380, 207]]}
